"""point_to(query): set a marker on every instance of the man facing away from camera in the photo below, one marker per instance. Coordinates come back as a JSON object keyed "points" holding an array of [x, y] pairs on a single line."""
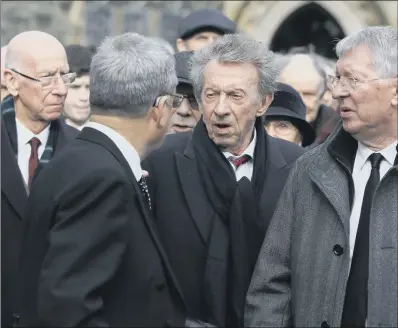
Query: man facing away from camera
{"points": [[214, 190], [91, 253]]}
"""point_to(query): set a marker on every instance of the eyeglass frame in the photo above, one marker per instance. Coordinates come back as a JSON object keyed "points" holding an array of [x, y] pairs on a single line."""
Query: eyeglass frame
{"points": [[188, 97], [73, 76], [177, 95], [356, 81]]}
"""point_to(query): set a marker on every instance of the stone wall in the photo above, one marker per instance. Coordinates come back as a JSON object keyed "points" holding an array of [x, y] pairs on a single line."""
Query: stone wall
{"points": [[87, 22]]}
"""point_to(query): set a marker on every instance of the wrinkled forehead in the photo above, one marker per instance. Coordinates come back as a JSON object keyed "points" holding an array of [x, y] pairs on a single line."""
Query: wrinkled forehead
{"points": [[231, 75], [51, 61], [356, 61]]}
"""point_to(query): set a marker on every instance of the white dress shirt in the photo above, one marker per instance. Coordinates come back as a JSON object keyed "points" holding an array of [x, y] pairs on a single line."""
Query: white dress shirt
{"points": [[246, 169], [360, 174], [127, 150], [24, 136]]}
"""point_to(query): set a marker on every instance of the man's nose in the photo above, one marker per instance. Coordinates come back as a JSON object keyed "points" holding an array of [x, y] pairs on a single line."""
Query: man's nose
{"points": [[339, 91], [184, 109], [60, 87], [222, 108]]}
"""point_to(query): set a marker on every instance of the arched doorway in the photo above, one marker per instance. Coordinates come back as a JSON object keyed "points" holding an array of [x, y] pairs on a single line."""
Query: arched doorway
{"points": [[309, 24]]}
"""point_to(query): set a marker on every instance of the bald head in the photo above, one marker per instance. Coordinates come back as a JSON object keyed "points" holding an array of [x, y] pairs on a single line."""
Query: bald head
{"points": [[301, 73], [29, 47], [300, 68], [2, 62]]}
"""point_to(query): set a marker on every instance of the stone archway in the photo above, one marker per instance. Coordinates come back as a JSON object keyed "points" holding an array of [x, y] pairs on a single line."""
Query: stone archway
{"points": [[281, 10], [310, 24]]}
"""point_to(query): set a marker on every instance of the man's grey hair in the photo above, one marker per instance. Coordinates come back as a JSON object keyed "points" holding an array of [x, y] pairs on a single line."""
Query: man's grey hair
{"points": [[164, 42], [127, 74], [382, 43], [236, 48]]}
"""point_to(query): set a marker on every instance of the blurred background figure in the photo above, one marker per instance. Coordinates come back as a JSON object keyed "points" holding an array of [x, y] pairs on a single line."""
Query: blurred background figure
{"points": [[285, 118], [202, 27], [305, 73], [77, 108], [187, 114], [4, 91]]}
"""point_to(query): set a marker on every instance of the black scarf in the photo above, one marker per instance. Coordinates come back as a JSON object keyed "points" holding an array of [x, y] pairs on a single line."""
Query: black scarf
{"points": [[238, 236], [8, 117]]}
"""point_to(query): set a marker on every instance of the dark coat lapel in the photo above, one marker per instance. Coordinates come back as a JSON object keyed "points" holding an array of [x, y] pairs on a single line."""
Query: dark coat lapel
{"points": [[275, 164], [195, 197], [97, 137], [12, 184]]}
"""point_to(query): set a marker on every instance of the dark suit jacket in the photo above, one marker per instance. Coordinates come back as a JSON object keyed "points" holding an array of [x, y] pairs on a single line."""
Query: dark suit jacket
{"points": [[90, 254], [184, 215], [13, 201]]}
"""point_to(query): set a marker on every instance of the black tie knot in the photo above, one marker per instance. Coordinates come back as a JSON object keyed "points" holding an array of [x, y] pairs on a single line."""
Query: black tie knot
{"points": [[375, 160]]}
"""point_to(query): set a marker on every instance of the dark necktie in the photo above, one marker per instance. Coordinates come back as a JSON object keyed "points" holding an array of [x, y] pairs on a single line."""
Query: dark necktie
{"points": [[33, 159], [356, 297], [145, 191], [238, 161]]}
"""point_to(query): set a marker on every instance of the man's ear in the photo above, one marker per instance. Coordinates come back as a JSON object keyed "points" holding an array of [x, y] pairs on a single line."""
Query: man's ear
{"points": [[159, 114], [265, 104], [180, 44], [394, 100], [11, 82]]}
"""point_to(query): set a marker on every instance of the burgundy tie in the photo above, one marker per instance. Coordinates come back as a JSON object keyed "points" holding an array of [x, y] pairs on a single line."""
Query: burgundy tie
{"points": [[238, 161], [33, 159]]}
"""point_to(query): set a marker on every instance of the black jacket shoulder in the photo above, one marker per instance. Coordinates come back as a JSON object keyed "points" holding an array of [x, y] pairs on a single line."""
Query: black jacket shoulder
{"points": [[289, 150]]}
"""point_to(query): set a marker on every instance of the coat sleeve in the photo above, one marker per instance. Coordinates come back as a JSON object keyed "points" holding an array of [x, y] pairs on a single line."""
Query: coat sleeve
{"points": [[86, 246], [269, 294]]}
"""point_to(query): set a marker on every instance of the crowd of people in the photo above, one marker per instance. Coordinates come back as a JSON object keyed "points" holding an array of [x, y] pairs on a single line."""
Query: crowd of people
{"points": [[221, 185]]}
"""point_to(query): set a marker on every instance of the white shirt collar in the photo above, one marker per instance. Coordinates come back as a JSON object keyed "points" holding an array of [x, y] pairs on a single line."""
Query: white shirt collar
{"points": [[25, 135], [248, 151], [364, 152], [127, 150]]}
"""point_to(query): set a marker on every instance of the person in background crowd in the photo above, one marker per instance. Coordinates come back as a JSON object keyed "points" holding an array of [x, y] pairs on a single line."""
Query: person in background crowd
{"points": [[91, 255], [329, 66], [285, 118], [37, 78], [202, 27], [187, 114], [3, 86], [304, 72], [329, 259], [77, 107], [214, 190]]}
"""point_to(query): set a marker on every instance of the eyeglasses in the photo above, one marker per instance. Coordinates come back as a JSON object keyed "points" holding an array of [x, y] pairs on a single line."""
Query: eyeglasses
{"points": [[192, 101], [282, 128], [173, 100], [347, 83], [49, 81]]}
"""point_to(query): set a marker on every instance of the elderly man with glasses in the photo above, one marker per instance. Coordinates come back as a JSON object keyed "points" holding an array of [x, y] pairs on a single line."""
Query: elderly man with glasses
{"points": [[330, 256], [187, 114], [37, 76]]}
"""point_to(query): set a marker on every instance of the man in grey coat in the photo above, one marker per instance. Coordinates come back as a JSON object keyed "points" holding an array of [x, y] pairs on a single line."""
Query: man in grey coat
{"points": [[329, 258]]}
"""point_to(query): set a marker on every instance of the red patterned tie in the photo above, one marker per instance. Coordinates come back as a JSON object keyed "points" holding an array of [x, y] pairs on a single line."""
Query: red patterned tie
{"points": [[238, 161], [33, 159]]}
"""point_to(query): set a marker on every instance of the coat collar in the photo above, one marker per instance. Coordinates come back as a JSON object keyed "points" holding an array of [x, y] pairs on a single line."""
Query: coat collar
{"points": [[97, 137], [201, 213], [331, 171]]}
